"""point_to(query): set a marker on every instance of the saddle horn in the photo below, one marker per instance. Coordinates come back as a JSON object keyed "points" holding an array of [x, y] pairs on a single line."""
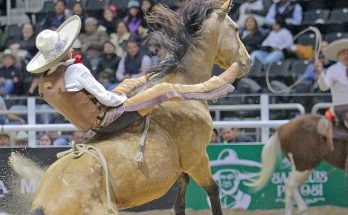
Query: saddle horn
{"points": [[227, 6]]}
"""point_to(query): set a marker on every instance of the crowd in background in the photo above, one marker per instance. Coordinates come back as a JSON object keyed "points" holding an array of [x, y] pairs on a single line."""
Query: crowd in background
{"points": [[110, 45]]}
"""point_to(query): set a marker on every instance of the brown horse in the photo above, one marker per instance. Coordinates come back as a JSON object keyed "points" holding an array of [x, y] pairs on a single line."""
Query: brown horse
{"points": [[300, 143], [179, 131]]}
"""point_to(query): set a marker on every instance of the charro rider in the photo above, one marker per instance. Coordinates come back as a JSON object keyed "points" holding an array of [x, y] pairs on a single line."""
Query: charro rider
{"points": [[71, 89], [336, 79]]}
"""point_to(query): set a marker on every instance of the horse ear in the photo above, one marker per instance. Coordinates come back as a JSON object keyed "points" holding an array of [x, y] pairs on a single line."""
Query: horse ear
{"points": [[225, 8]]}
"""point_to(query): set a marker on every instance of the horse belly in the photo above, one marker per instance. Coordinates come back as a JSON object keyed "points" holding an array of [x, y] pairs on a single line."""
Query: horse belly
{"points": [[136, 185], [190, 126]]}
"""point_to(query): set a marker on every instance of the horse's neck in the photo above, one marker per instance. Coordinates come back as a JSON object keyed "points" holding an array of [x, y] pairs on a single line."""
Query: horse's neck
{"points": [[198, 62]]}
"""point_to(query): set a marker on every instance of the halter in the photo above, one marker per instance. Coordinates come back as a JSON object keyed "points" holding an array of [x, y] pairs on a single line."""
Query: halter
{"points": [[318, 40]]}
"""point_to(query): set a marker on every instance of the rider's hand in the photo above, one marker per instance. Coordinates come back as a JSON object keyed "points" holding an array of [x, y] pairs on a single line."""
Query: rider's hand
{"points": [[318, 67]]}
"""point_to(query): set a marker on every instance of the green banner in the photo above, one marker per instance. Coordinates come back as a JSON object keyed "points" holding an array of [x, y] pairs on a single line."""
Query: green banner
{"points": [[233, 165]]}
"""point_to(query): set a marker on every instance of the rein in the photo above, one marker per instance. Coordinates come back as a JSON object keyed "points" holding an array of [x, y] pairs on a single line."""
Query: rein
{"points": [[318, 40], [80, 149]]}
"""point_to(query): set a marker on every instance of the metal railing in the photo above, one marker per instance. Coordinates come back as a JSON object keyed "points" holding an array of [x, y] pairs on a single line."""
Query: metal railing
{"points": [[288, 106], [265, 124], [320, 106]]}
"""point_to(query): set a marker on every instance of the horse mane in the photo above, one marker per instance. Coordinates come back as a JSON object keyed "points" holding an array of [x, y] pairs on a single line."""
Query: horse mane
{"points": [[176, 34]]}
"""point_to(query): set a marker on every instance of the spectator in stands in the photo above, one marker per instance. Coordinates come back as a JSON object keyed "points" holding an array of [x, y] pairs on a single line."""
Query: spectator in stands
{"points": [[252, 8], [77, 54], [107, 78], [251, 36], [5, 139], [22, 138], [133, 17], [290, 12], [271, 48], [55, 19], [232, 135], [120, 38], [134, 64], [4, 37], [58, 138], [79, 137], [25, 46], [336, 77], [9, 118], [46, 140], [109, 19], [10, 77], [215, 136], [77, 9], [108, 64], [146, 7], [92, 40]]}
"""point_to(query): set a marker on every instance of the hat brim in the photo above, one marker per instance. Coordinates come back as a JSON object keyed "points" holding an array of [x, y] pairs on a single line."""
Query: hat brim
{"points": [[71, 28], [332, 50]]}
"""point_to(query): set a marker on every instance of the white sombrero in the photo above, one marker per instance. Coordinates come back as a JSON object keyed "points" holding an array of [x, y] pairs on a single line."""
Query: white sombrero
{"points": [[53, 45], [332, 50]]}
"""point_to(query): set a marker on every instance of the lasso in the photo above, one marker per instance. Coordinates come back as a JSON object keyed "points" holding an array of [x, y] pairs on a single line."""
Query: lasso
{"points": [[318, 40]]}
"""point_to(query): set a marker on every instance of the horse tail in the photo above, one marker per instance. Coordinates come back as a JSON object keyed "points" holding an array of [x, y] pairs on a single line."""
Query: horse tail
{"points": [[269, 157]]}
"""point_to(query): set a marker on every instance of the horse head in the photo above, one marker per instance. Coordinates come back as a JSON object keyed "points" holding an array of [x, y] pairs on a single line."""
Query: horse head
{"points": [[229, 48], [205, 35]]}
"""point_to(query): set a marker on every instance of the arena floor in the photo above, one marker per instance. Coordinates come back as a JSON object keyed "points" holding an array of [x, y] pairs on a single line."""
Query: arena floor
{"points": [[327, 210]]}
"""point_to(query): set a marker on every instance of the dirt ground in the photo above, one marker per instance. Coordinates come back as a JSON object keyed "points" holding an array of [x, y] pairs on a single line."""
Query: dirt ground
{"points": [[327, 210]]}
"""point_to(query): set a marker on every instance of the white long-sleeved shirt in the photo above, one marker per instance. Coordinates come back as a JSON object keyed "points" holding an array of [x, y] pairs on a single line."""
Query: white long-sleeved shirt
{"points": [[279, 39], [78, 77], [335, 78]]}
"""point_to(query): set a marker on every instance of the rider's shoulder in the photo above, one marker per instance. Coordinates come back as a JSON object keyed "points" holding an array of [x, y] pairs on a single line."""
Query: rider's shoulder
{"points": [[78, 67]]}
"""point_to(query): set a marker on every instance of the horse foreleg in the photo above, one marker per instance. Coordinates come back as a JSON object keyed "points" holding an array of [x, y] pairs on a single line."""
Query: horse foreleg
{"points": [[179, 206], [202, 175]]}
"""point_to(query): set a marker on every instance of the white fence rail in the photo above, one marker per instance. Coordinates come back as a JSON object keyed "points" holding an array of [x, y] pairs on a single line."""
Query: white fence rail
{"points": [[265, 124], [320, 106]]}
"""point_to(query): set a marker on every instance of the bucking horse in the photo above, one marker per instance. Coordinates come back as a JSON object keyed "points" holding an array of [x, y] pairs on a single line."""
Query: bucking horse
{"points": [[178, 131]]}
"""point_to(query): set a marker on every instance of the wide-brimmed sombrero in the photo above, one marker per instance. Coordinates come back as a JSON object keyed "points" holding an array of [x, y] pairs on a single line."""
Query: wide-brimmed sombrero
{"points": [[332, 50], [53, 45]]}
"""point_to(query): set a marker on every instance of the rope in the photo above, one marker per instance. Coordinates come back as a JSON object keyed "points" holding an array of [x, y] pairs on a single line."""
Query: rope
{"points": [[80, 149], [140, 155], [318, 40]]}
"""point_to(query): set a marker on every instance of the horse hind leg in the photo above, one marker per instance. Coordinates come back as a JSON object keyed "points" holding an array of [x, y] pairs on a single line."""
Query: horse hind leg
{"points": [[179, 206], [201, 174], [292, 184]]}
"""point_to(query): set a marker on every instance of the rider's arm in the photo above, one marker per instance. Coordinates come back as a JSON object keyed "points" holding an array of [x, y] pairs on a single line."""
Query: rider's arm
{"points": [[78, 77], [324, 80]]}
